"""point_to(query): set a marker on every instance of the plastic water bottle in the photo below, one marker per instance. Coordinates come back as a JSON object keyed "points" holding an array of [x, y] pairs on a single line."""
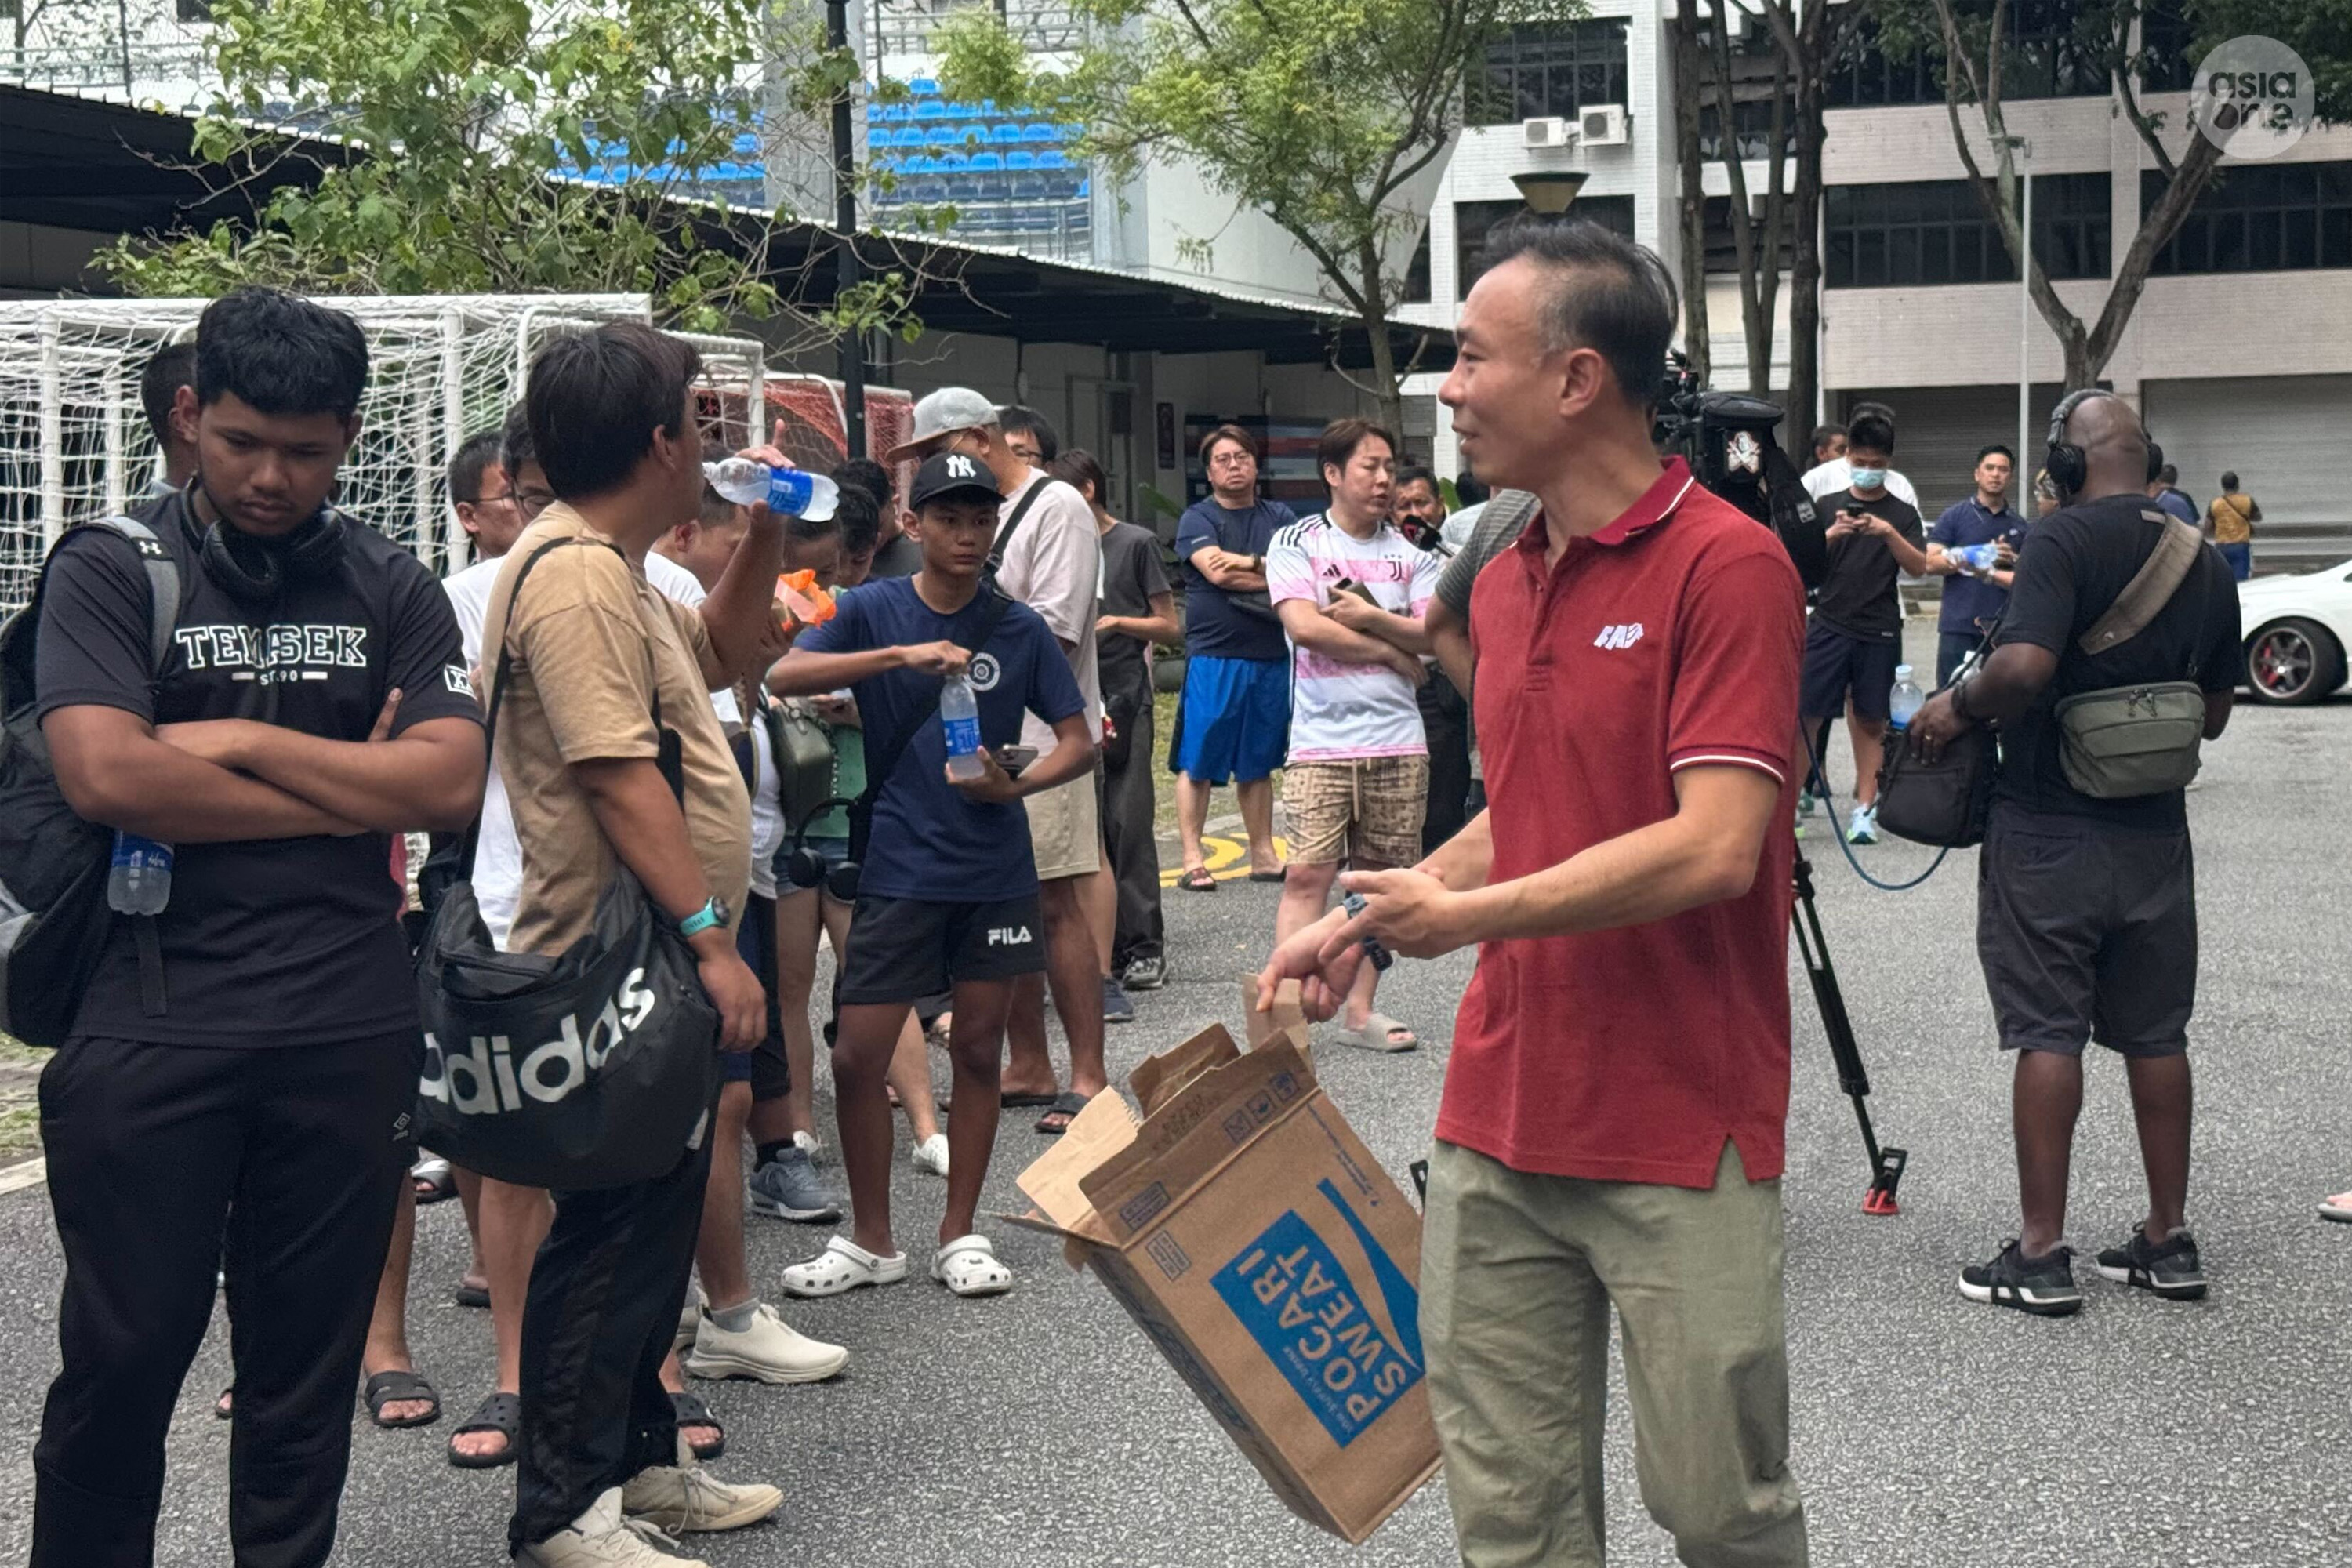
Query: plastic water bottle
{"points": [[1975, 558], [959, 714], [1903, 704], [138, 881], [789, 492]]}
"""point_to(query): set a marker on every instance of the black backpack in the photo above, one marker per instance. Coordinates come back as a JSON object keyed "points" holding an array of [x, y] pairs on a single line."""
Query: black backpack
{"points": [[54, 918]]}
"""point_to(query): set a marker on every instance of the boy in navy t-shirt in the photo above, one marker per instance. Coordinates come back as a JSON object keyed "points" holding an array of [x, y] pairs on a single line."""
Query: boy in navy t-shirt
{"points": [[947, 893]]}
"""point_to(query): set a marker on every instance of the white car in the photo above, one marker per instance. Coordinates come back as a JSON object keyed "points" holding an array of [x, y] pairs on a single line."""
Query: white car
{"points": [[2296, 631]]}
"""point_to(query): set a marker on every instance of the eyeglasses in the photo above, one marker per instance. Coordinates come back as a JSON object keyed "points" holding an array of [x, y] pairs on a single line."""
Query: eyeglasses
{"points": [[1231, 459], [530, 503], [493, 500]]}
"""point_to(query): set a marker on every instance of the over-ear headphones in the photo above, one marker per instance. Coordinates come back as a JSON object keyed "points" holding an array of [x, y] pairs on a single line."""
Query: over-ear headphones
{"points": [[2068, 468], [804, 867], [255, 572]]}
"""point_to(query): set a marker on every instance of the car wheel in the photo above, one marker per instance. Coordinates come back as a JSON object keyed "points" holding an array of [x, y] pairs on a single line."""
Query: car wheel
{"points": [[2293, 662]]}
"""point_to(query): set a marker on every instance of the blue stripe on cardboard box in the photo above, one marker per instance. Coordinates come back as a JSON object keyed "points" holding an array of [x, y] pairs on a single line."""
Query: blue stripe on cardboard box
{"points": [[1287, 1289]]}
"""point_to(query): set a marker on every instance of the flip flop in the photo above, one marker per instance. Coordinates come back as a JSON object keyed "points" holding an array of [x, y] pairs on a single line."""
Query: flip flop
{"points": [[500, 1413], [1199, 879], [475, 1295], [1019, 1101], [1279, 874], [1066, 1105], [400, 1387], [1378, 1035], [693, 1412]]}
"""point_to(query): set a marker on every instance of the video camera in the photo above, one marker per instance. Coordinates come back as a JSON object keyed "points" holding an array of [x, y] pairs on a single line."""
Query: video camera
{"points": [[1727, 439]]}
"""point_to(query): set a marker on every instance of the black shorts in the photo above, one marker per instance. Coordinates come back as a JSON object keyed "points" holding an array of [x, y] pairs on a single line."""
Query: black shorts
{"points": [[902, 950], [763, 1067], [1837, 663], [2086, 932]]}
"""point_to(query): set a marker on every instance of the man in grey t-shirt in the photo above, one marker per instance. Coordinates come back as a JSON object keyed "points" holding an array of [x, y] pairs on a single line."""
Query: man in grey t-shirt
{"points": [[1500, 520]]}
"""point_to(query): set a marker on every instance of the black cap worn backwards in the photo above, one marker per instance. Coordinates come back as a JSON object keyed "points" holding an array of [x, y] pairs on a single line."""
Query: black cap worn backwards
{"points": [[947, 474]]}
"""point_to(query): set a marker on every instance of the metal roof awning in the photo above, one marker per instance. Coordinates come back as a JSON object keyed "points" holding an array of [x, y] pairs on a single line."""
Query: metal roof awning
{"points": [[107, 168]]}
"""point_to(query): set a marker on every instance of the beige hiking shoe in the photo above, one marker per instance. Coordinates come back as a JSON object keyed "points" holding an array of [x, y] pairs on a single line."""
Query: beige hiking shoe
{"points": [[602, 1538], [684, 1498]]}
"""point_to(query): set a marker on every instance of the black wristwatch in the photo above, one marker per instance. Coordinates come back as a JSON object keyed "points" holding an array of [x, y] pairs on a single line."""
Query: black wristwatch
{"points": [[1257, 564]]}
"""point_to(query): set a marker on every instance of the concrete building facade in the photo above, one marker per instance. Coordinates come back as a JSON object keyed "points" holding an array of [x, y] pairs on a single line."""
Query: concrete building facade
{"points": [[2239, 352]]}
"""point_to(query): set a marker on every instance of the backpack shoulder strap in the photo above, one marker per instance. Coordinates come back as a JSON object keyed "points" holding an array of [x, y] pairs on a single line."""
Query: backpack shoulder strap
{"points": [[2151, 588], [162, 584]]}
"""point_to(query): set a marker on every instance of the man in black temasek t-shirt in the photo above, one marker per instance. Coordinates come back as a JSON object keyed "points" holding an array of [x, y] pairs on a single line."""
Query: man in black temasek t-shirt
{"points": [[1855, 638], [2086, 907], [242, 1097]]}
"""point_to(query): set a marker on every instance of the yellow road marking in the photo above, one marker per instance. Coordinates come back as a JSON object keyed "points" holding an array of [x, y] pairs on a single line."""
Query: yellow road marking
{"points": [[1227, 859]]}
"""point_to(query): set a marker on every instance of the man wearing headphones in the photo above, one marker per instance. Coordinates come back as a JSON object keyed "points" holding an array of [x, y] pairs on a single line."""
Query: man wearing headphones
{"points": [[237, 1088], [2087, 910]]}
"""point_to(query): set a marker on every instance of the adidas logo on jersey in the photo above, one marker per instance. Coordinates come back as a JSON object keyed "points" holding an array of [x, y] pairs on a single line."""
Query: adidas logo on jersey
{"points": [[1619, 637]]}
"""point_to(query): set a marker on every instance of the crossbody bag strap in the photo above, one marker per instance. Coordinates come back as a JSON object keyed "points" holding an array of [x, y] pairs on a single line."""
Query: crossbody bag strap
{"points": [[1011, 525], [2150, 589], [881, 763], [501, 673]]}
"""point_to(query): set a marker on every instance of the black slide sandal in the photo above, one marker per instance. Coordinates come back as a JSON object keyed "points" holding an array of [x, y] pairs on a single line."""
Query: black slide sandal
{"points": [[1066, 1105], [693, 1412], [397, 1387], [500, 1413]]}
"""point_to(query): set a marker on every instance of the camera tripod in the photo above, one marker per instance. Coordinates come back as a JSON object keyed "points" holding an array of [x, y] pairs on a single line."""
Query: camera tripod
{"points": [[1885, 1162]]}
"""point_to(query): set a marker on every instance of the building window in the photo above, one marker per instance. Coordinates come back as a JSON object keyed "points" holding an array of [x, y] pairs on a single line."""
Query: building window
{"points": [[195, 10], [2044, 58], [1934, 231], [1723, 250], [1535, 71], [1416, 271], [2165, 36], [2261, 217], [1474, 220]]}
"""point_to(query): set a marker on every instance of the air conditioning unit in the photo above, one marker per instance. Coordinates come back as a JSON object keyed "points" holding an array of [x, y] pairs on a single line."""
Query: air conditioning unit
{"points": [[1549, 131], [1603, 125]]}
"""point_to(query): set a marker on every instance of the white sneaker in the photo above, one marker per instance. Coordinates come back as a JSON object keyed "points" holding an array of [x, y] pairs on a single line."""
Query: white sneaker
{"points": [[769, 1351], [602, 1538], [931, 1154], [685, 1498]]}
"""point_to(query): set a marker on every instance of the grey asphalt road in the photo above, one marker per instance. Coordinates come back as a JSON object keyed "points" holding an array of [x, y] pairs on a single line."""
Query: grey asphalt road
{"points": [[1041, 1429]]}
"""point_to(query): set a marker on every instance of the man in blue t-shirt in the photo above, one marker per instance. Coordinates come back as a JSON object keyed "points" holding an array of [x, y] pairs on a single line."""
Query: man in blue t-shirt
{"points": [[947, 889], [1235, 719], [1974, 598]]}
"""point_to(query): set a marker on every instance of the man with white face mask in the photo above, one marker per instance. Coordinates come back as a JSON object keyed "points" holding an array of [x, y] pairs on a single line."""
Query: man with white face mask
{"points": [[1855, 639]]}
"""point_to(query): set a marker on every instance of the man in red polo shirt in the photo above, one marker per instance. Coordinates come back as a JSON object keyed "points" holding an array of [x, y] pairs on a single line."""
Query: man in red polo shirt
{"points": [[1612, 1128]]}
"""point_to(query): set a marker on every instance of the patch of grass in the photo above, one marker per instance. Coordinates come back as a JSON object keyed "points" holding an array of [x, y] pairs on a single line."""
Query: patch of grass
{"points": [[20, 1131]]}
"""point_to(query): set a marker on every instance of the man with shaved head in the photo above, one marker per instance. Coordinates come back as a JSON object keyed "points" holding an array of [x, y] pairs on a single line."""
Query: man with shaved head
{"points": [[2087, 904]]}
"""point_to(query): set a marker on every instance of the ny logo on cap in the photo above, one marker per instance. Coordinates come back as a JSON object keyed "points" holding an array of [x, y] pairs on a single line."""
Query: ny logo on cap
{"points": [[960, 466]]}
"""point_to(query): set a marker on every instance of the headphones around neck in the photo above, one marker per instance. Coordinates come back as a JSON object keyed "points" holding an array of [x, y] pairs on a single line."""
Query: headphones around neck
{"points": [[255, 572], [2067, 465], [804, 867]]}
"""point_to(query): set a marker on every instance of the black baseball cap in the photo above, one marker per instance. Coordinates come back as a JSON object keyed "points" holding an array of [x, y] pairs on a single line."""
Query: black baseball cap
{"points": [[946, 474]]}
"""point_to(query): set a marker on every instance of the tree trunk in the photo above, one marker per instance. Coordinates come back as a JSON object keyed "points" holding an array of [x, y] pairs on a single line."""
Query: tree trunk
{"points": [[1376, 327], [1696, 344], [1756, 327], [1814, 34]]}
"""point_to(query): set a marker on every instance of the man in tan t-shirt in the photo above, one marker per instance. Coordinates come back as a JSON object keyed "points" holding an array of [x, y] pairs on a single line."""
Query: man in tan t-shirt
{"points": [[604, 672]]}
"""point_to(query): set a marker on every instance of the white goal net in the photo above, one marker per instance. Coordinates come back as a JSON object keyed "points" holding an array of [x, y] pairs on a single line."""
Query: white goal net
{"points": [[74, 444]]}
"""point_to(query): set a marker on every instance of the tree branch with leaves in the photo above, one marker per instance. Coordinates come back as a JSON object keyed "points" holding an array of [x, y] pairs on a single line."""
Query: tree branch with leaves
{"points": [[1325, 115]]}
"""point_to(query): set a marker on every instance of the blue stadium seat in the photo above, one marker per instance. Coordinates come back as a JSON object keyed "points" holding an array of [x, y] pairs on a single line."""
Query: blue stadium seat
{"points": [[1055, 158], [1004, 135], [1018, 161], [1041, 132], [923, 86], [929, 108], [985, 164]]}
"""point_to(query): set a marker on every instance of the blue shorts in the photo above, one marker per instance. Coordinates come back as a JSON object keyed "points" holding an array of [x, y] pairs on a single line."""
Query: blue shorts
{"points": [[1232, 722]]}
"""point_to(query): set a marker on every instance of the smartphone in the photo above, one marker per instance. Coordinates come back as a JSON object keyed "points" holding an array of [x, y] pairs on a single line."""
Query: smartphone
{"points": [[1013, 759], [1350, 586]]}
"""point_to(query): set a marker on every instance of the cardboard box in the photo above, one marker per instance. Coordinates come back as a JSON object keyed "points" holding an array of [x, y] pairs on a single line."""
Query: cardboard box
{"points": [[1244, 1225]]}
